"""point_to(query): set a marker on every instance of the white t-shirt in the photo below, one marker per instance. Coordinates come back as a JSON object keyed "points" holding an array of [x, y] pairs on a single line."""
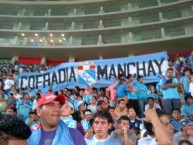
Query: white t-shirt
{"points": [[155, 106], [17, 96], [93, 108], [8, 84], [34, 104], [147, 141], [107, 141], [178, 137], [191, 88]]}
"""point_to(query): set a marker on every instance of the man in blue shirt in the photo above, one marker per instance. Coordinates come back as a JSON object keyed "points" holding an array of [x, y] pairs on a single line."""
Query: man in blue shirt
{"points": [[122, 90], [102, 121], [171, 98], [142, 93]]}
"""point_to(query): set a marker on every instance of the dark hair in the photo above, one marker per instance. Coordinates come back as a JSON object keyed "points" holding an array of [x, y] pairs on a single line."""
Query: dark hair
{"points": [[176, 109], [77, 87], [32, 112], [131, 107], [106, 97], [138, 77], [121, 75], [104, 115], [121, 101], [169, 69], [11, 94], [109, 108], [188, 97], [184, 141], [94, 97], [100, 102], [13, 128], [12, 108], [150, 98], [123, 117], [77, 116], [129, 76]]}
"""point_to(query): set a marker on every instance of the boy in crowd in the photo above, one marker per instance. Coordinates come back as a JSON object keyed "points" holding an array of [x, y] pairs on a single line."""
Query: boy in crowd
{"points": [[187, 109], [135, 123], [123, 133], [101, 123], [176, 118]]}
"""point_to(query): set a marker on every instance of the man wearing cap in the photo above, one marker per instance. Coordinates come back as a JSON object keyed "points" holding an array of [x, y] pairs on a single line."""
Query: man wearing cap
{"points": [[51, 130], [186, 133]]}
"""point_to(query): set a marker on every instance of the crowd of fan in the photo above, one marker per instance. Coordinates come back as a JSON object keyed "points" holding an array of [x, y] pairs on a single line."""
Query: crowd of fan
{"points": [[135, 113]]}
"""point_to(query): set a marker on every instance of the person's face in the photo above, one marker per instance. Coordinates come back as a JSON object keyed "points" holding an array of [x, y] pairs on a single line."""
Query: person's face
{"points": [[65, 91], [176, 115], [112, 112], [17, 142], [10, 112], [122, 104], [101, 127], [124, 124], [188, 130], [189, 101], [66, 110], [79, 98], [165, 120], [187, 73], [170, 63], [131, 87], [141, 80], [132, 113], [27, 97], [81, 92], [152, 89], [106, 100], [169, 73], [88, 117], [59, 92], [50, 114], [93, 100], [10, 96], [150, 102], [103, 106]]}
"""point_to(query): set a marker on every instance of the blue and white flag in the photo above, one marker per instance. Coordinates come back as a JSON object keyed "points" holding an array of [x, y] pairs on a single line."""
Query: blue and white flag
{"points": [[96, 73]]}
